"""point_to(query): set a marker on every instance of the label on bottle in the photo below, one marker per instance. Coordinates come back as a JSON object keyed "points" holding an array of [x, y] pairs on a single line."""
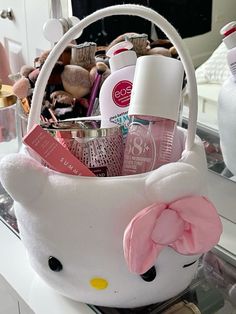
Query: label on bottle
{"points": [[122, 120], [232, 67], [121, 93], [140, 150], [99, 171]]}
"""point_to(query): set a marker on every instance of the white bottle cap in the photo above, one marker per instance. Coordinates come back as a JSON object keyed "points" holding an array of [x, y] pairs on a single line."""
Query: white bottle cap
{"points": [[229, 31], [156, 87], [121, 56]]}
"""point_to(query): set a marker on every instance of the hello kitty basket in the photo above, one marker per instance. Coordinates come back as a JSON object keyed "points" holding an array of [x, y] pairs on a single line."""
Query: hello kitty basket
{"points": [[124, 241]]}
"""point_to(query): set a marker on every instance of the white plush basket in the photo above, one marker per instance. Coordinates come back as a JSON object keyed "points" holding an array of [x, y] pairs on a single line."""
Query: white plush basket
{"points": [[117, 241]]}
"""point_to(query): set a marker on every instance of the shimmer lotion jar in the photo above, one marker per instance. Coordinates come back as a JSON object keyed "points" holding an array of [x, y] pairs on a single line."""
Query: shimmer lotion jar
{"points": [[100, 149]]}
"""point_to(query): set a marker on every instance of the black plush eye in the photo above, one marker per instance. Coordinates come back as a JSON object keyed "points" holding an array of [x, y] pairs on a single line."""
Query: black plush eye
{"points": [[54, 264], [150, 275], [190, 264]]}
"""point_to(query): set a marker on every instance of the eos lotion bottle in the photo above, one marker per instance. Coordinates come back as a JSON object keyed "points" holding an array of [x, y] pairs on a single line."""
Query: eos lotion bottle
{"points": [[153, 109], [114, 97]]}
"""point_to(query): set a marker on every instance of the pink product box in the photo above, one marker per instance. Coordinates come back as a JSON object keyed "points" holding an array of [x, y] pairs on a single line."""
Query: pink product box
{"points": [[54, 154]]}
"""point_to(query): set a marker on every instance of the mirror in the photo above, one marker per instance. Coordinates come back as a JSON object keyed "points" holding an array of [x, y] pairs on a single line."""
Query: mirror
{"points": [[211, 72]]}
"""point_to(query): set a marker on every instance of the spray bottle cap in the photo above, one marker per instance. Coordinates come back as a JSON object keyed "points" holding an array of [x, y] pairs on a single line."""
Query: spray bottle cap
{"points": [[121, 56], [156, 87], [229, 33]]}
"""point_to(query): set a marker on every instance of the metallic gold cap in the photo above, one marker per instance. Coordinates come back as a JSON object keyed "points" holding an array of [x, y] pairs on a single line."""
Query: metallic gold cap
{"points": [[80, 130], [7, 98]]}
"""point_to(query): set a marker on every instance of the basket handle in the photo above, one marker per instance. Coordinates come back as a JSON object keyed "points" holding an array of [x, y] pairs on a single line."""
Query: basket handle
{"points": [[124, 9]]}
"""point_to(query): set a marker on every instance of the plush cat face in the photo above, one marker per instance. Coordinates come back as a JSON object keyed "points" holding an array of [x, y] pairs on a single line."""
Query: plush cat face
{"points": [[73, 229]]}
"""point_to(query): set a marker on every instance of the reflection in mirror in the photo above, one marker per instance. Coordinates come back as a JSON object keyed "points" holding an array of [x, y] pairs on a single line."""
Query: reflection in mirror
{"points": [[211, 74]]}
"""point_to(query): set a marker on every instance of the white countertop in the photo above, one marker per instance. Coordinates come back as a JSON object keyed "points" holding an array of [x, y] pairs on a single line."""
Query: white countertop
{"points": [[222, 192]]}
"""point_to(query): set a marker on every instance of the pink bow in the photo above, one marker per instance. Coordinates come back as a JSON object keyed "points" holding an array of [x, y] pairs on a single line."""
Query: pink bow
{"points": [[189, 225]]}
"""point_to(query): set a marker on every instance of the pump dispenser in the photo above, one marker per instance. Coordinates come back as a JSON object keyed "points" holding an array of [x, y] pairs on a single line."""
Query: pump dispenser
{"points": [[115, 92], [229, 38], [154, 107]]}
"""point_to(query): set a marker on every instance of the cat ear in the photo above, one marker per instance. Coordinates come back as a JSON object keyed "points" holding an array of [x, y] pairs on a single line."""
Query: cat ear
{"points": [[22, 177], [172, 181]]}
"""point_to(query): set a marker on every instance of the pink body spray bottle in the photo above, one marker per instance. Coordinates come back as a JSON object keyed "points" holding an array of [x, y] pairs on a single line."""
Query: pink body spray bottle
{"points": [[153, 110]]}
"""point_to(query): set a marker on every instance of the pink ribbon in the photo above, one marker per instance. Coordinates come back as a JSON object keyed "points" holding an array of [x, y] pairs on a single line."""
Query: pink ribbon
{"points": [[189, 225]]}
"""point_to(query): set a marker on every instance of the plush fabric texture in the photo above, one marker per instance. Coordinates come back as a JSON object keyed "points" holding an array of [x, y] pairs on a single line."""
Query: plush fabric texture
{"points": [[215, 69], [73, 227]]}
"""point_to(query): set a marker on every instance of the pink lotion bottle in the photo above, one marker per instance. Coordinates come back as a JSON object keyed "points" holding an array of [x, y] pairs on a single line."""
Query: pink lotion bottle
{"points": [[114, 97], [153, 109]]}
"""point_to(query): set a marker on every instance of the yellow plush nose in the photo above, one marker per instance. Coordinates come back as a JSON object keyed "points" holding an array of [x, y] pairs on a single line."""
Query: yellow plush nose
{"points": [[99, 283]]}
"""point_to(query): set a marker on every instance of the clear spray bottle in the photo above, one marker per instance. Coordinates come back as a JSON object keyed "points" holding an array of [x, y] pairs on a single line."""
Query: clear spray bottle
{"points": [[153, 110]]}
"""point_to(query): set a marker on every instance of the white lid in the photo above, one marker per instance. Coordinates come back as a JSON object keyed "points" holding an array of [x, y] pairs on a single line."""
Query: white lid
{"points": [[230, 40], [229, 31], [157, 87], [121, 56]]}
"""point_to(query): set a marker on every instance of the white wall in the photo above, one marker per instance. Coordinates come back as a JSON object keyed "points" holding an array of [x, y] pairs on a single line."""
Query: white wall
{"points": [[37, 13], [201, 47]]}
